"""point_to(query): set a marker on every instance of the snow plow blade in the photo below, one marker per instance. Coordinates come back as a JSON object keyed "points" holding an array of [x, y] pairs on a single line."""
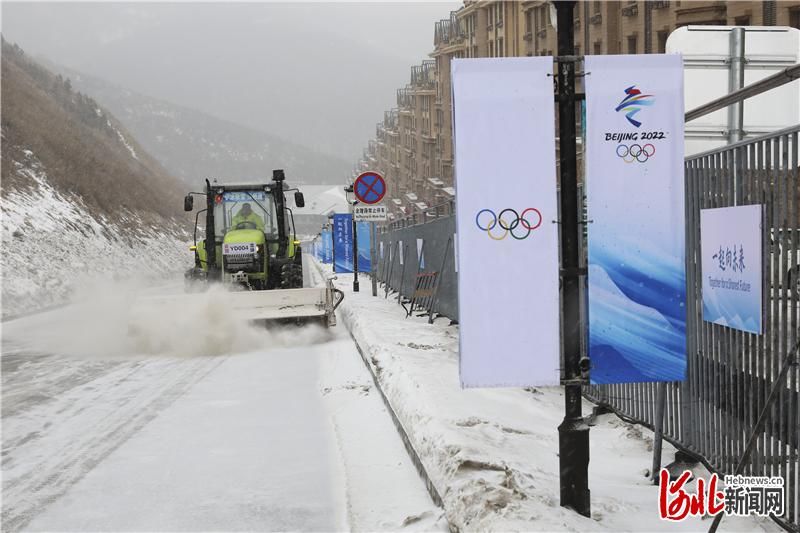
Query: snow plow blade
{"points": [[286, 305], [307, 305]]}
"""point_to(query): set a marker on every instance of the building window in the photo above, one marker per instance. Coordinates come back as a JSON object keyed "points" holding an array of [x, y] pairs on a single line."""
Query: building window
{"points": [[598, 48], [631, 44], [499, 16], [742, 21], [491, 48], [794, 17], [500, 48], [596, 7], [491, 17], [769, 12], [662, 41]]}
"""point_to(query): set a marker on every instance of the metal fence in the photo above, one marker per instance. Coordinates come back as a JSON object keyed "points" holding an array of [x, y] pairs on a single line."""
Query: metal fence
{"points": [[730, 373], [435, 241]]}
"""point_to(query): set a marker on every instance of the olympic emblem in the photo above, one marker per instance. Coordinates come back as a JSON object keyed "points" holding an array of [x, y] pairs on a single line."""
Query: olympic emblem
{"points": [[635, 152], [509, 222]]}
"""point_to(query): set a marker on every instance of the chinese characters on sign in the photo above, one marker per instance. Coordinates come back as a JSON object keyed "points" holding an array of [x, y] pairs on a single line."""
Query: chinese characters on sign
{"points": [[728, 260]]}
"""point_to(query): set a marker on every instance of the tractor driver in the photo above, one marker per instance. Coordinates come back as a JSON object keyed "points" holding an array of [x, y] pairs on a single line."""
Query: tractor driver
{"points": [[246, 214]]}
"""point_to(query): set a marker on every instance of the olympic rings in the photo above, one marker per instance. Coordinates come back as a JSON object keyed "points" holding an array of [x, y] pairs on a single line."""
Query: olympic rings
{"points": [[508, 225], [635, 152]]}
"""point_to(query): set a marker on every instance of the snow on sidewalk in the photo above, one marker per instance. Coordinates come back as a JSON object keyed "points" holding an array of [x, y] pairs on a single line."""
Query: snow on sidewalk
{"points": [[493, 453]]}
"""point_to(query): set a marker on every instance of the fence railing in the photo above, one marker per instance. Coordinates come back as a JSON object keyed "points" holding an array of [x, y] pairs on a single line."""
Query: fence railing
{"points": [[445, 209]]}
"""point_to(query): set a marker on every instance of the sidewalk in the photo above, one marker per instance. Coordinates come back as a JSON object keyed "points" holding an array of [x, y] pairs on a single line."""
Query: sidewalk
{"points": [[493, 453]]}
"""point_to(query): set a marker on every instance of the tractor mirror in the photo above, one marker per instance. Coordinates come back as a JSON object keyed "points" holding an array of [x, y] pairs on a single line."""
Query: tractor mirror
{"points": [[188, 202], [299, 201]]}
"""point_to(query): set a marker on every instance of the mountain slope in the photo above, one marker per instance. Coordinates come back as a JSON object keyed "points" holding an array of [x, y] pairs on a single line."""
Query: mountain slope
{"points": [[193, 145], [80, 199], [87, 152]]}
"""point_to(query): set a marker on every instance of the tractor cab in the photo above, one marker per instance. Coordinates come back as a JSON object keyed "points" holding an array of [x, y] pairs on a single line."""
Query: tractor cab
{"points": [[253, 233]]}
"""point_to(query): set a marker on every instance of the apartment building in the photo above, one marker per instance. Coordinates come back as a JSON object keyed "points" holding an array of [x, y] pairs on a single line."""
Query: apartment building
{"points": [[413, 148]]}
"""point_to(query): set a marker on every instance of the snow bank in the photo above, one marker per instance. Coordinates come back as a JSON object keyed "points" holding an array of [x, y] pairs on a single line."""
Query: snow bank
{"points": [[493, 453], [53, 243]]}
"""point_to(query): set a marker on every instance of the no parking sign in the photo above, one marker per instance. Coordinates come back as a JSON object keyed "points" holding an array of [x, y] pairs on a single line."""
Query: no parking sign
{"points": [[369, 187]]}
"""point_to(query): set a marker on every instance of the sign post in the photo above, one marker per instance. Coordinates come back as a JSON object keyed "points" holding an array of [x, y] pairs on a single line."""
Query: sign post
{"points": [[372, 259], [369, 188], [573, 433], [355, 254]]}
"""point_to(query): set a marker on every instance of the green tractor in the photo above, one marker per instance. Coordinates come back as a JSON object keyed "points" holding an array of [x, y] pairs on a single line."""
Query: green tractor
{"points": [[250, 245]]}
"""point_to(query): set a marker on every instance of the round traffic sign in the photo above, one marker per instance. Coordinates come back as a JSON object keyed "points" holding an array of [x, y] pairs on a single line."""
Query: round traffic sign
{"points": [[369, 187]]}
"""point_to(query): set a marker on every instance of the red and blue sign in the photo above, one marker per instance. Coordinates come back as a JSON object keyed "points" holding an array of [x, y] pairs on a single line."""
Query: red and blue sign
{"points": [[369, 187]]}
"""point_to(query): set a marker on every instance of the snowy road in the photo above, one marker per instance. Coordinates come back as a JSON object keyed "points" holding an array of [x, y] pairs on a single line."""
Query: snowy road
{"points": [[286, 433]]}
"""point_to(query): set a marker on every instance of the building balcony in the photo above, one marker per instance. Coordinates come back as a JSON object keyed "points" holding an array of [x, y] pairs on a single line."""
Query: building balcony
{"points": [[596, 19], [630, 11], [542, 33], [528, 36]]}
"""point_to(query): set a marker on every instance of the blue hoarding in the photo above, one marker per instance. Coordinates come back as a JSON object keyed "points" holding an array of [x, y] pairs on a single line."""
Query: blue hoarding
{"points": [[327, 247], [363, 247], [342, 243]]}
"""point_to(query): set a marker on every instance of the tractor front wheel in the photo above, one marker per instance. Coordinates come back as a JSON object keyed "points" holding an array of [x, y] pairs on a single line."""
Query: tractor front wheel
{"points": [[291, 276]]}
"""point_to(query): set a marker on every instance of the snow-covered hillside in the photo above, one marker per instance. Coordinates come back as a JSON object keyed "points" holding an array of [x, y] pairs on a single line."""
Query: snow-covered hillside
{"points": [[52, 242]]}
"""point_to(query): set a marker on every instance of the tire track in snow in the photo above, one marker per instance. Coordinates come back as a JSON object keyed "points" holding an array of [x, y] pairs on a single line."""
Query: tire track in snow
{"points": [[54, 444]]}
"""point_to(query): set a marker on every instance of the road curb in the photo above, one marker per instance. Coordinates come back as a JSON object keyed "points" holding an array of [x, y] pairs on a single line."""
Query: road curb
{"points": [[433, 491]]}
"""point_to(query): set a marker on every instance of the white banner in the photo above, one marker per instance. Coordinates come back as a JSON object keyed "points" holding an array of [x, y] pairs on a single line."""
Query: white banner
{"points": [[730, 245], [635, 197], [508, 297]]}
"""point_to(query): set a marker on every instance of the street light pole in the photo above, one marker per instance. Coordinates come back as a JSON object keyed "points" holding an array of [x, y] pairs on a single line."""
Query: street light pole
{"points": [[355, 250], [355, 239], [573, 433]]}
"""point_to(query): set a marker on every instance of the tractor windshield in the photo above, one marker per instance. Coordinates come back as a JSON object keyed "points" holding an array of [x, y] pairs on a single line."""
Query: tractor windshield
{"points": [[245, 210]]}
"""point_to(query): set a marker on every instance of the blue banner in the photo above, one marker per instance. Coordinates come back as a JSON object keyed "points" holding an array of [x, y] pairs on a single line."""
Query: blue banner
{"points": [[327, 247], [364, 264], [342, 243]]}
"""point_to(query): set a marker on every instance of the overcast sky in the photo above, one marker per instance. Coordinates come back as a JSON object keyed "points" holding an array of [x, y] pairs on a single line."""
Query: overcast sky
{"points": [[320, 74]]}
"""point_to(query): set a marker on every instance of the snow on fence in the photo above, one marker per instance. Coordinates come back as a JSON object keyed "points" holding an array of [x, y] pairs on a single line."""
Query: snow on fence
{"points": [[730, 373]]}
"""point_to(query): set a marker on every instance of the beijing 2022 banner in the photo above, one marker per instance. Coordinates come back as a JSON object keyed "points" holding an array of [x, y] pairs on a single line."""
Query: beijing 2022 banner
{"points": [[508, 296], [635, 196]]}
